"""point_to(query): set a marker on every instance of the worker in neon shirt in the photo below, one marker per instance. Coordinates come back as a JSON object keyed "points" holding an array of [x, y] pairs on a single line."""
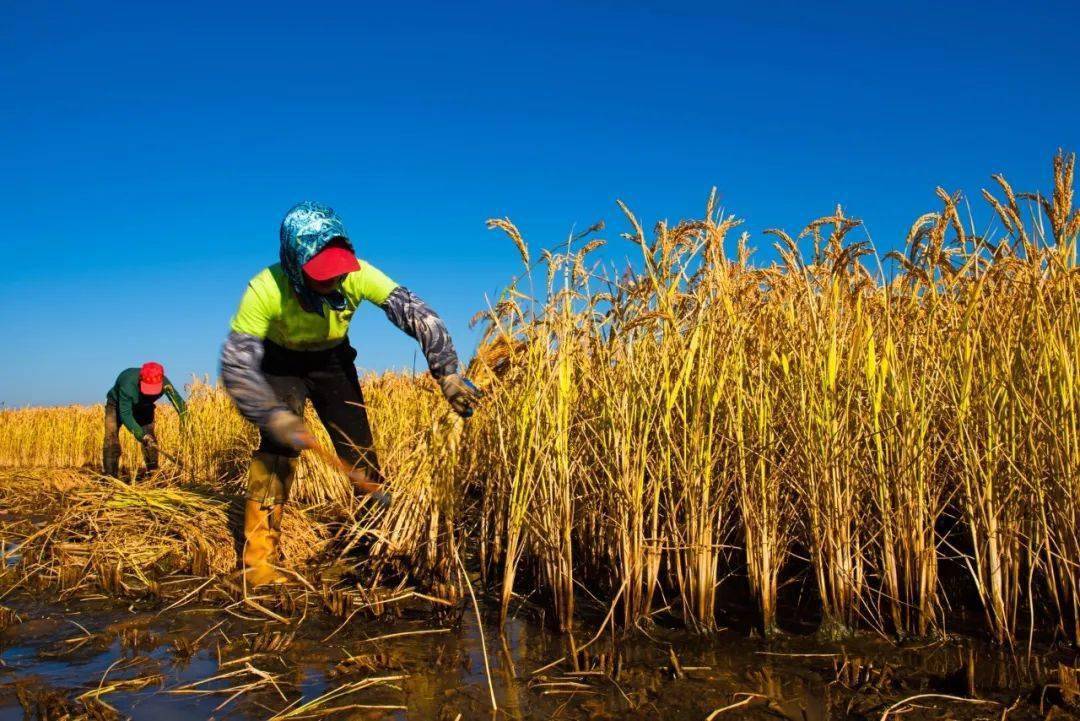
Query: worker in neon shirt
{"points": [[288, 343]]}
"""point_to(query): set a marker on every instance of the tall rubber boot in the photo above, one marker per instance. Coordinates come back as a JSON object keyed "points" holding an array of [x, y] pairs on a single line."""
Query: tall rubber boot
{"points": [[262, 534], [269, 481]]}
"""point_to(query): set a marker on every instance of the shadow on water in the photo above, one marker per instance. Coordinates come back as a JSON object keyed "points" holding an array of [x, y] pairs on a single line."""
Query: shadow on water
{"points": [[106, 660]]}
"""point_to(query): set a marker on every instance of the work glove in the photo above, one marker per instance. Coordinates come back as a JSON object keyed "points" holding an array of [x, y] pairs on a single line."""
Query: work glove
{"points": [[288, 429], [376, 491], [149, 442], [460, 393], [381, 498]]}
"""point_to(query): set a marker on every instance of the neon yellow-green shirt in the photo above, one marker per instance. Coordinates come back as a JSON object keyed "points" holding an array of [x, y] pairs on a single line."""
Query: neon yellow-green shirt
{"points": [[271, 310]]}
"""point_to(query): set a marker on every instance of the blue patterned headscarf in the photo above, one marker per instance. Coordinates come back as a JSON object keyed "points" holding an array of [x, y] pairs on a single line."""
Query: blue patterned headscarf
{"points": [[306, 229]]}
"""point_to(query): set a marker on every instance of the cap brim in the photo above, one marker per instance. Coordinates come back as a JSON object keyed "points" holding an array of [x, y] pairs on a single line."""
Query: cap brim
{"points": [[331, 263], [150, 389]]}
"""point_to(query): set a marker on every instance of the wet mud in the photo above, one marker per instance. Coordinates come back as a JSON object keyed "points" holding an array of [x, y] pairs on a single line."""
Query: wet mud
{"points": [[102, 659]]}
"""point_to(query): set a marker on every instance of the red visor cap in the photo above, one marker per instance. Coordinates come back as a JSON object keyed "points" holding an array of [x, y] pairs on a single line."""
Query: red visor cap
{"points": [[151, 378], [331, 262]]}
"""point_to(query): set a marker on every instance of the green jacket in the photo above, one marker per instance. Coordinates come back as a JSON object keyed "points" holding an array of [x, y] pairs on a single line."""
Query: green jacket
{"points": [[125, 394]]}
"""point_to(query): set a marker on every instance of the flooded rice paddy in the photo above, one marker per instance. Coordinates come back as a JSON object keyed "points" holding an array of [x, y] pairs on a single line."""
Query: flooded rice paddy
{"points": [[101, 659], [110, 646]]}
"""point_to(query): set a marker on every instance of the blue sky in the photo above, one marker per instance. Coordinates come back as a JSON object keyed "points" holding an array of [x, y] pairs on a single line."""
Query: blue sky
{"points": [[149, 150]]}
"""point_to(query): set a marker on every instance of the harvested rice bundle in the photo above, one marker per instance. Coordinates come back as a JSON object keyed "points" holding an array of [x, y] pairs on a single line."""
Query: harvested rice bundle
{"points": [[33, 489], [123, 537]]}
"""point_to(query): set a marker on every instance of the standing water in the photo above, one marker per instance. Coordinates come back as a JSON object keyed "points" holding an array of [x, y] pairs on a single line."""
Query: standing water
{"points": [[200, 660]]}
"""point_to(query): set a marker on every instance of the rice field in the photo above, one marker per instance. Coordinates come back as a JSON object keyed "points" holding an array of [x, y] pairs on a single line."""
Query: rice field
{"points": [[836, 440], [657, 435]]}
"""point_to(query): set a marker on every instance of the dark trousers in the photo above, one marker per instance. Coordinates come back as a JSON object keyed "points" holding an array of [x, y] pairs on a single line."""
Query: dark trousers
{"points": [[328, 378], [110, 449]]}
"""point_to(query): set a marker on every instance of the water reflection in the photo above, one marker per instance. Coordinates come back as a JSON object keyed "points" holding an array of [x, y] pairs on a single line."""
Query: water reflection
{"points": [[73, 648]]}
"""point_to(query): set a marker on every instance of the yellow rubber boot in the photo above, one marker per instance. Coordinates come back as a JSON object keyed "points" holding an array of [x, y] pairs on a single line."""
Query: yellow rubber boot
{"points": [[261, 545], [269, 481]]}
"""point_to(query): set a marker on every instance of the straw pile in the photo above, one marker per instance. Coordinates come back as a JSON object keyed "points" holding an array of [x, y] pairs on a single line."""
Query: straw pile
{"points": [[90, 530]]}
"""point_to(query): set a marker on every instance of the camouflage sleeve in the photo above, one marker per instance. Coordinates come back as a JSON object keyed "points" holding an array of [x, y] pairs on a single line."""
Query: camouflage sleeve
{"points": [[411, 314], [241, 358]]}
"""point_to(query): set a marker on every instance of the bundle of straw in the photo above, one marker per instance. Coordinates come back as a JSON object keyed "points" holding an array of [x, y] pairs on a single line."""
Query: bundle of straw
{"points": [[103, 531]]}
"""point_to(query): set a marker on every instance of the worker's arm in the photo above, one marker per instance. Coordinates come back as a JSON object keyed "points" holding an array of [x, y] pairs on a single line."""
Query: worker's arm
{"points": [[124, 403], [408, 312], [241, 361], [176, 399], [411, 314], [242, 354]]}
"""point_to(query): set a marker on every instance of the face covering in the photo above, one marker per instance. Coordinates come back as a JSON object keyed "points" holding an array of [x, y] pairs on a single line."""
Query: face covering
{"points": [[307, 228]]}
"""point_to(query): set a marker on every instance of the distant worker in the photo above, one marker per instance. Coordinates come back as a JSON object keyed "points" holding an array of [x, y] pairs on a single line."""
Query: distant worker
{"points": [[130, 402], [289, 342]]}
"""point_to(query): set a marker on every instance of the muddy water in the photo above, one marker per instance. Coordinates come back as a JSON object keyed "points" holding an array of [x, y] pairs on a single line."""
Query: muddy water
{"points": [[433, 668]]}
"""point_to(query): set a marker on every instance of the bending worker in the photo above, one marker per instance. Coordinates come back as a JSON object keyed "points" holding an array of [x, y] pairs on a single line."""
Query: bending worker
{"points": [[130, 402], [289, 342]]}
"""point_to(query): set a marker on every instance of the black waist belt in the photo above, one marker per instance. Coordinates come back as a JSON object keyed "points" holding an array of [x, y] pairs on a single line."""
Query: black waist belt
{"points": [[280, 361]]}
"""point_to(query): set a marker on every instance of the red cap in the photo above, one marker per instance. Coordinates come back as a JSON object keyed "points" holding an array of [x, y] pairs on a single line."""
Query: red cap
{"points": [[330, 262], [151, 378]]}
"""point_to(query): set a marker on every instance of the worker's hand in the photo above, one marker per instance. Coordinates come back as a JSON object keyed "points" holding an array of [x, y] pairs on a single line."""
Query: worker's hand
{"points": [[149, 442], [363, 481], [288, 429], [382, 499], [460, 393]]}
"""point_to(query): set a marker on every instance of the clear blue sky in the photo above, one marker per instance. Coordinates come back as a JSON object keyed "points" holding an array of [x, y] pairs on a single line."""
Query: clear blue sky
{"points": [[150, 149]]}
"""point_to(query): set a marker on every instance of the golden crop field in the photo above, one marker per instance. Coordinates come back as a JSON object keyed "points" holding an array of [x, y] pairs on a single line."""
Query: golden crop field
{"points": [[897, 437]]}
